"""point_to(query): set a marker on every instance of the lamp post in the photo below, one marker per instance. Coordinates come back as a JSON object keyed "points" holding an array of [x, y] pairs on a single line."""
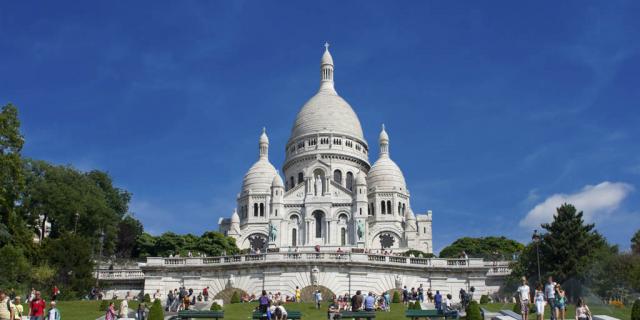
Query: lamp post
{"points": [[99, 258], [536, 238], [75, 228]]}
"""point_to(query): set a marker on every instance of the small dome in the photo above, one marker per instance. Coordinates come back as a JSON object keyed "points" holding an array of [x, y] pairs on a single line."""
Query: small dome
{"points": [[277, 182], [384, 137], [259, 177], [234, 217], [263, 136], [386, 174], [361, 179]]}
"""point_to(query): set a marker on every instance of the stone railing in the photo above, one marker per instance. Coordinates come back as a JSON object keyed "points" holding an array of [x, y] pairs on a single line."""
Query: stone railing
{"points": [[112, 275], [318, 256], [498, 268]]}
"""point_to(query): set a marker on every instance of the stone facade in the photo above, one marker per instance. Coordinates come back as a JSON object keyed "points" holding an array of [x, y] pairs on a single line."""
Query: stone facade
{"points": [[330, 195]]}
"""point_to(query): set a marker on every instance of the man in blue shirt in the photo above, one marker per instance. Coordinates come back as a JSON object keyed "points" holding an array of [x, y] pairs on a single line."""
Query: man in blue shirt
{"points": [[438, 300], [369, 302]]}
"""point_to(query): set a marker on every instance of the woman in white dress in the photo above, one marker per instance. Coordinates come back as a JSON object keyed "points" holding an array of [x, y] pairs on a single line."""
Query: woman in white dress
{"points": [[124, 309], [539, 300]]}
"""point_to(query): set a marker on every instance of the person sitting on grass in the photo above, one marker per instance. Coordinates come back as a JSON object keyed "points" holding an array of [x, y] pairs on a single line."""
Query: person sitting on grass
{"points": [[280, 312]]}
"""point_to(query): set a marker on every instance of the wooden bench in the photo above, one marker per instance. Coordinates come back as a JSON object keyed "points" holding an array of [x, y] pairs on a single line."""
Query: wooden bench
{"points": [[290, 315], [197, 314], [358, 315], [511, 314], [432, 313]]}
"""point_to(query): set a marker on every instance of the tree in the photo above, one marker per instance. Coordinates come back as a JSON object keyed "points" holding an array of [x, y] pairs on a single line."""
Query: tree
{"points": [[15, 267], [11, 175], [216, 243], [635, 310], [635, 243], [490, 248], [473, 311], [156, 312], [129, 229], [145, 246], [70, 255]]}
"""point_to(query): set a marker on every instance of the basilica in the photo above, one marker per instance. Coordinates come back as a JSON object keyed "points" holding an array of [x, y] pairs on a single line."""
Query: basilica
{"points": [[329, 194]]}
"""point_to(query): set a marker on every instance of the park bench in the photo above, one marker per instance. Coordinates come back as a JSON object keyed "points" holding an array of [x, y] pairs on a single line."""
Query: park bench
{"points": [[290, 315], [199, 314], [511, 314], [433, 313], [358, 315]]}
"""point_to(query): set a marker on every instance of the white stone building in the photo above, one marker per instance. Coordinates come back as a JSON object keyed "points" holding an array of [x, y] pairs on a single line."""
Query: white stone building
{"points": [[331, 196]]}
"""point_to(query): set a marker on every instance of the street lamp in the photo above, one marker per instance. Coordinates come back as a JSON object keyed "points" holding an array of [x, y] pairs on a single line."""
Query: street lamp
{"points": [[75, 228], [536, 238], [99, 258]]}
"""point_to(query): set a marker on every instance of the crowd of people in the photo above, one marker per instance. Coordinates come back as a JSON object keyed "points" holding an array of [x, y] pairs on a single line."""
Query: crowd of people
{"points": [[549, 295], [11, 307]]}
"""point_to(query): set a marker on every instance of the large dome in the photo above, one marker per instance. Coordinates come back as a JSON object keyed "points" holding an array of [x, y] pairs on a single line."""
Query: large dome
{"points": [[327, 112]]}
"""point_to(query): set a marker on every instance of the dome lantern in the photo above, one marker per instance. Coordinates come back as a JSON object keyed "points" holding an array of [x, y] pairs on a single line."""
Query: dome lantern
{"points": [[384, 142], [264, 144], [326, 70]]}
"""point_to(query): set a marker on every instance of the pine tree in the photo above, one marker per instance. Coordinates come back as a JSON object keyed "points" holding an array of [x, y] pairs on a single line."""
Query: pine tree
{"points": [[568, 247], [156, 312]]}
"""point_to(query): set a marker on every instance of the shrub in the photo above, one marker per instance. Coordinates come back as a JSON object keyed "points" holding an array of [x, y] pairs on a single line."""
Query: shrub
{"points": [[235, 298], [104, 304], [473, 311], [147, 298], [617, 304], [156, 312], [635, 310], [484, 299], [215, 307], [396, 297], [417, 305]]}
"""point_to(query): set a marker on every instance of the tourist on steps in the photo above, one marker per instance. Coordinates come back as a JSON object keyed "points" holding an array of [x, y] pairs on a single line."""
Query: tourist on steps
{"points": [[524, 293], [539, 301], [437, 300]]}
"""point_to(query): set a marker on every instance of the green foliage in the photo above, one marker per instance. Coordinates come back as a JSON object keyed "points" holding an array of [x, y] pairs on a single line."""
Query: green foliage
{"points": [[210, 243], [418, 253], [490, 248], [11, 175], [635, 243], [473, 311], [129, 229], [156, 312], [396, 297], [484, 299], [70, 255], [215, 307], [635, 310], [15, 267], [235, 298], [147, 298], [415, 305]]}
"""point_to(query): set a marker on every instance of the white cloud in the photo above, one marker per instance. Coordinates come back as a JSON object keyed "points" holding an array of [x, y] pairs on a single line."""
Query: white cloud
{"points": [[594, 201]]}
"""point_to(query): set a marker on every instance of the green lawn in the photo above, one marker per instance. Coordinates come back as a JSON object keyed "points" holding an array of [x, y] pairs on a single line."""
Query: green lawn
{"points": [[88, 310], [620, 313]]}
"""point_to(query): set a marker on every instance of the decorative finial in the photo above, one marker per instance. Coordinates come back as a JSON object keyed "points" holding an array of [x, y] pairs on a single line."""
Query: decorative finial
{"points": [[383, 127], [264, 129], [326, 46]]}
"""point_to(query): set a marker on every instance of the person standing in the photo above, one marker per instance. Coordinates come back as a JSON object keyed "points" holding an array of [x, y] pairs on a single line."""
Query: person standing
{"points": [[429, 295], [36, 307], [205, 293], [582, 310], [55, 292], [265, 304], [524, 293], [124, 309], [17, 302], [550, 296], [405, 296], [298, 293], [356, 301], [437, 300], [111, 312], [318, 299], [560, 303], [54, 313], [141, 313], [421, 293], [387, 301], [539, 300], [7, 309]]}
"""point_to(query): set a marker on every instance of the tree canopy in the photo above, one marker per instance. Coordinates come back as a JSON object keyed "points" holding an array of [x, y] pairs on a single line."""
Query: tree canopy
{"points": [[485, 247]]}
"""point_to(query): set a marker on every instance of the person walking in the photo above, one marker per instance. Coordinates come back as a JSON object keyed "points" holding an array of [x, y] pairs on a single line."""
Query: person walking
{"points": [[54, 313], [560, 303], [318, 299], [7, 309], [205, 293], [124, 309], [550, 296], [111, 312], [298, 294], [387, 301], [437, 300], [405, 296], [141, 313], [36, 307], [421, 293], [17, 302], [539, 301], [524, 293], [54, 293]]}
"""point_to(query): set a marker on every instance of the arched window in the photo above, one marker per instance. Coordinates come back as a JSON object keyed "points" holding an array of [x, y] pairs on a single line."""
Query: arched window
{"points": [[384, 211], [255, 209], [399, 208], [300, 177], [337, 176], [389, 211], [292, 184], [343, 236], [262, 209], [350, 181], [403, 208], [318, 217], [294, 237], [360, 211]]}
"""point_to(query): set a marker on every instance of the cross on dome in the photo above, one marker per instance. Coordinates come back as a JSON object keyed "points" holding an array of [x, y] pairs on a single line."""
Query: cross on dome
{"points": [[326, 46]]}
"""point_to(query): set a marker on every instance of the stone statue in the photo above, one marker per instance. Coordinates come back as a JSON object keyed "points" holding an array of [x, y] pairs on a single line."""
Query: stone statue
{"points": [[314, 275], [273, 232], [398, 281], [232, 281], [318, 183], [360, 229]]}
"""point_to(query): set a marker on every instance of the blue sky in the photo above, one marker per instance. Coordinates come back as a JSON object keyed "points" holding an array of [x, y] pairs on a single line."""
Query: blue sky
{"points": [[496, 111]]}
